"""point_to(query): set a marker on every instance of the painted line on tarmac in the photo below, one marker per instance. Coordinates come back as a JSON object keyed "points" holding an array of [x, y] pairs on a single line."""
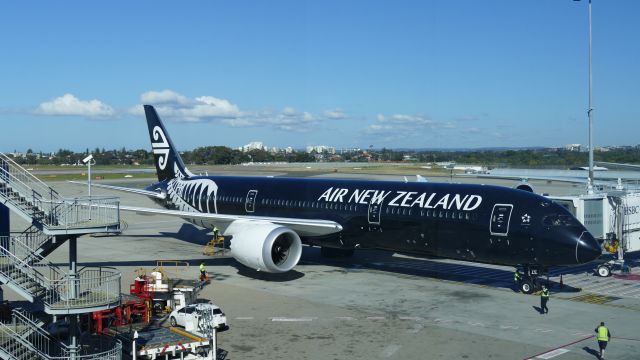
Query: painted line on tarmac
{"points": [[543, 330], [509, 327], [283, 319], [552, 354], [390, 350], [416, 329], [345, 318], [475, 324], [244, 318], [556, 348], [414, 318], [375, 318]]}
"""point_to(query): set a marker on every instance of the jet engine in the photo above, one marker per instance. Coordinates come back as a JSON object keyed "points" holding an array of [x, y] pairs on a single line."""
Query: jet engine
{"points": [[264, 246], [525, 186]]}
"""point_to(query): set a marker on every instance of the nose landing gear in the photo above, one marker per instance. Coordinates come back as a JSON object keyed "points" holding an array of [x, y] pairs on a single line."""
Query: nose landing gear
{"points": [[531, 281]]}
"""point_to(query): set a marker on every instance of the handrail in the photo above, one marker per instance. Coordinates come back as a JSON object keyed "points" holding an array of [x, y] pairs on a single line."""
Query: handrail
{"points": [[88, 287], [14, 337], [75, 212], [24, 171], [42, 262]]}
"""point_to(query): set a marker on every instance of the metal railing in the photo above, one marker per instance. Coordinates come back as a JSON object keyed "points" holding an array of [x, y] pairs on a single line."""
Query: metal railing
{"points": [[111, 350], [95, 211], [25, 335], [32, 238], [12, 341], [25, 179], [9, 262], [90, 287], [47, 206]]}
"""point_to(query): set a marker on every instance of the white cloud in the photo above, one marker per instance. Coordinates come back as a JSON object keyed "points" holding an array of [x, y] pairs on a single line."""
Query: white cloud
{"points": [[170, 104], [163, 97], [70, 105], [335, 114]]}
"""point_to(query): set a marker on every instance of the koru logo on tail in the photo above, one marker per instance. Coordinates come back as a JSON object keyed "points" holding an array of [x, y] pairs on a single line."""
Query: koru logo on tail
{"points": [[160, 146]]}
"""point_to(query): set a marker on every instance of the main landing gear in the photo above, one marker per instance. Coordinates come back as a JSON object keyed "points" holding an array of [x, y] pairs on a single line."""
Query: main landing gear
{"points": [[530, 280]]}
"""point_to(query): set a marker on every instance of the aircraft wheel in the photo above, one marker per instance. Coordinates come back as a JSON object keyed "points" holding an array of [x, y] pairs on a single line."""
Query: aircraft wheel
{"points": [[604, 270], [526, 287], [173, 321]]}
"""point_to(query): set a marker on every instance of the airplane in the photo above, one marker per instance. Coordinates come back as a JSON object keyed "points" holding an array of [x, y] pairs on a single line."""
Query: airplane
{"points": [[268, 219]]}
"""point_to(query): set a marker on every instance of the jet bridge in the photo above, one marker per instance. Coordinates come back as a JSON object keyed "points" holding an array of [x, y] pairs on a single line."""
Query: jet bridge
{"points": [[613, 218]]}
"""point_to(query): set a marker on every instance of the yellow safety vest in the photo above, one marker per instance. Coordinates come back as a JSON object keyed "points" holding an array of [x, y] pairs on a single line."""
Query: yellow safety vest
{"points": [[545, 293], [603, 333], [201, 267]]}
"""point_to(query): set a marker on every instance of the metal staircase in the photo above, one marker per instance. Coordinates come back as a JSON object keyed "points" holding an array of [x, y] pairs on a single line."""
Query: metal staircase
{"points": [[23, 338], [54, 220]]}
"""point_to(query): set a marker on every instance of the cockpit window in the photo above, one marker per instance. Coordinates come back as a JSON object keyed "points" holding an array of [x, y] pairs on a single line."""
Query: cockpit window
{"points": [[558, 220]]}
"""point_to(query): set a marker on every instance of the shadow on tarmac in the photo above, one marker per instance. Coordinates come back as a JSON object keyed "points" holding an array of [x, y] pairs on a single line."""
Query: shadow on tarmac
{"points": [[591, 351]]}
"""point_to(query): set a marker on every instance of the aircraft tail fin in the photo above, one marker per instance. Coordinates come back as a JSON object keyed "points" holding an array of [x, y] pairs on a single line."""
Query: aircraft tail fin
{"points": [[168, 163]]}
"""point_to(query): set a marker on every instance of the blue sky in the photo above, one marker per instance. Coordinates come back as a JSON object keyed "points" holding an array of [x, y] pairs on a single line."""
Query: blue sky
{"points": [[433, 73]]}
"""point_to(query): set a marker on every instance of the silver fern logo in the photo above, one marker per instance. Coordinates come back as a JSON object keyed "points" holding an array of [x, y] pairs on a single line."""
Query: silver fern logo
{"points": [[160, 146]]}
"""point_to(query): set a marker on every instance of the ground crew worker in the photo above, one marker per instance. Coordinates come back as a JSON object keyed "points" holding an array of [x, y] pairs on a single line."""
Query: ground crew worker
{"points": [[603, 338], [544, 297], [517, 277], [203, 272], [215, 232]]}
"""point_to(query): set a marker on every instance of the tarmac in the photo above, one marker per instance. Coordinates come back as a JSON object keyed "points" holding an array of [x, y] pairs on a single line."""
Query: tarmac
{"points": [[376, 305]]}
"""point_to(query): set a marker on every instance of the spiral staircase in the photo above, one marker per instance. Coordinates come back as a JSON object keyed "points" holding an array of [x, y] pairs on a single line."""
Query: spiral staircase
{"points": [[52, 290]]}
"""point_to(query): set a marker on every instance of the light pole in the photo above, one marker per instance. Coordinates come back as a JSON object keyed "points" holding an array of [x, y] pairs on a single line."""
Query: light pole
{"points": [[590, 110], [89, 161]]}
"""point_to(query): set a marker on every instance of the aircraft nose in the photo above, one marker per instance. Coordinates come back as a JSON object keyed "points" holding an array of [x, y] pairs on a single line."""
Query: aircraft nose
{"points": [[587, 248]]}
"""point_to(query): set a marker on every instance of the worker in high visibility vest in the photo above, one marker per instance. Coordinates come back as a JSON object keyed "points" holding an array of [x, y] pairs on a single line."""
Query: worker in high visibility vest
{"points": [[517, 276], [603, 336], [544, 297], [203, 272]]}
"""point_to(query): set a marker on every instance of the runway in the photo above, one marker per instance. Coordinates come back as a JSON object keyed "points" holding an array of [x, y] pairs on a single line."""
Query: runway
{"points": [[376, 305]]}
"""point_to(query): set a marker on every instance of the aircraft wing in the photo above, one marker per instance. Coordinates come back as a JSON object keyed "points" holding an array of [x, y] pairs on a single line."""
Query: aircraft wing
{"points": [[570, 179], [567, 179], [304, 227], [152, 194], [619, 165]]}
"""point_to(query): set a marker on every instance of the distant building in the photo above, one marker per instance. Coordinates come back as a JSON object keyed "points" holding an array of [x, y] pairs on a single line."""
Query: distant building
{"points": [[289, 150], [321, 149], [573, 147], [255, 145]]}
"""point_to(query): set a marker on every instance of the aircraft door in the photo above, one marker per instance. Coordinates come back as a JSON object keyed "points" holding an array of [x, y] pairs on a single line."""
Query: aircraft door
{"points": [[500, 217], [373, 216], [250, 202]]}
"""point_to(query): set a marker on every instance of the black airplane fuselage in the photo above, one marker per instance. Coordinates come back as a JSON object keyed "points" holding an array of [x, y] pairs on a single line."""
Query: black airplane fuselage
{"points": [[480, 223]]}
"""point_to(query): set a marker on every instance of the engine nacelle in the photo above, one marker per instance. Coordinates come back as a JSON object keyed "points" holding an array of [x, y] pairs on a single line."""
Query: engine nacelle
{"points": [[525, 186], [264, 246]]}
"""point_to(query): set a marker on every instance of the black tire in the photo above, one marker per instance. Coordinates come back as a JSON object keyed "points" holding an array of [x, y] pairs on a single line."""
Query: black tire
{"points": [[172, 321], [526, 287], [603, 270]]}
